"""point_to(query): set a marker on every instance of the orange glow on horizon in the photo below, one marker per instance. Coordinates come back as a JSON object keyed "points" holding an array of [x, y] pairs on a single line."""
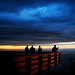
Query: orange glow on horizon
{"points": [[11, 47], [21, 47]]}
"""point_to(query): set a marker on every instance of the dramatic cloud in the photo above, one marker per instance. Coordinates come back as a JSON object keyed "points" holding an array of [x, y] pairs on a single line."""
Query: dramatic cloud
{"points": [[36, 21]]}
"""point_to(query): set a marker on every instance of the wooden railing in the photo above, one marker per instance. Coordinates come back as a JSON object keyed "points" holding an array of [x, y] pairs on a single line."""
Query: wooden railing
{"points": [[36, 63]]}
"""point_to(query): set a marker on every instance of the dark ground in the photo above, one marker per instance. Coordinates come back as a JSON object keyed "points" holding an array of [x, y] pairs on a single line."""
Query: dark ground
{"points": [[66, 67]]}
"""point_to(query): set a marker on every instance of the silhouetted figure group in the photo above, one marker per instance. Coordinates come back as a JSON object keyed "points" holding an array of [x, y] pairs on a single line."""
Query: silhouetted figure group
{"points": [[32, 50], [54, 49]]}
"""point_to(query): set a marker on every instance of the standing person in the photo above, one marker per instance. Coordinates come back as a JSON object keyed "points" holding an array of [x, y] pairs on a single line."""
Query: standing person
{"points": [[39, 50], [27, 50], [54, 49], [32, 50]]}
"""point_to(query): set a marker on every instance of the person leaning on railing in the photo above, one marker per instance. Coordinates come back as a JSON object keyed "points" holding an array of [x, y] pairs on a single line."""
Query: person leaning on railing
{"points": [[27, 50], [54, 49], [39, 50], [32, 50]]}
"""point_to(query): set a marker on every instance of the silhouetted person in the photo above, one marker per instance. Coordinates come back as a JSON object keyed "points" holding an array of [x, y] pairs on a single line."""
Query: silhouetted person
{"points": [[39, 50], [54, 49], [32, 50], [27, 50]]}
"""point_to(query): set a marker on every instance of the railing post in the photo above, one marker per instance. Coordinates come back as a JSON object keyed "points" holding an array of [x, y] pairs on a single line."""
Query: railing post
{"points": [[40, 64], [49, 62], [59, 57], [28, 66], [55, 59]]}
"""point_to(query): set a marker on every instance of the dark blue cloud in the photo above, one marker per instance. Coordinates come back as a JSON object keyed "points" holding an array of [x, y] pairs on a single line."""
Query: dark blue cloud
{"points": [[36, 21]]}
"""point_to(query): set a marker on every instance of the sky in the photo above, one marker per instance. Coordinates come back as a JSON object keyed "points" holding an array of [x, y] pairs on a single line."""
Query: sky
{"points": [[37, 22]]}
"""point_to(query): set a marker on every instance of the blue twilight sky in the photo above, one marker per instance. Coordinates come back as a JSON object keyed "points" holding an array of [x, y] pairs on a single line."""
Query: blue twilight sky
{"points": [[36, 21]]}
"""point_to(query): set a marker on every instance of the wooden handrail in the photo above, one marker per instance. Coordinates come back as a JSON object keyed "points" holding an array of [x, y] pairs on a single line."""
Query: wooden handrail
{"points": [[36, 63]]}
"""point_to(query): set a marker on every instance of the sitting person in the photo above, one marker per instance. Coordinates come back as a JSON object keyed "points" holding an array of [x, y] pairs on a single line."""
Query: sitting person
{"points": [[32, 50], [54, 49]]}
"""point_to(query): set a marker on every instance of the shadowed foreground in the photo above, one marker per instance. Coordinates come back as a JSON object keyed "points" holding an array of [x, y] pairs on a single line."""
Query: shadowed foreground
{"points": [[12, 64]]}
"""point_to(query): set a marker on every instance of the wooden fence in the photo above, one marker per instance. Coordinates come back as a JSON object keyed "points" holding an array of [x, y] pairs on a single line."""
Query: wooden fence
{"points": [[36, 63]]}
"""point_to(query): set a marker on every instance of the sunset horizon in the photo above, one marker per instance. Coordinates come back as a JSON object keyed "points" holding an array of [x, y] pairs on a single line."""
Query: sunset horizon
{"points": [[61, 45]]}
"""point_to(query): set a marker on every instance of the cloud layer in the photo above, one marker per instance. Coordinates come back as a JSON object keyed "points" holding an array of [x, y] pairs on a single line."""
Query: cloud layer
{"points": [[36, 21]]}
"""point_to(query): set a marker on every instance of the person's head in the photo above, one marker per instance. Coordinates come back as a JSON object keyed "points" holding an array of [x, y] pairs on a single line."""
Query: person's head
{"points": [[54, 45], [27, 45], [32, 46], [39, 46]]}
